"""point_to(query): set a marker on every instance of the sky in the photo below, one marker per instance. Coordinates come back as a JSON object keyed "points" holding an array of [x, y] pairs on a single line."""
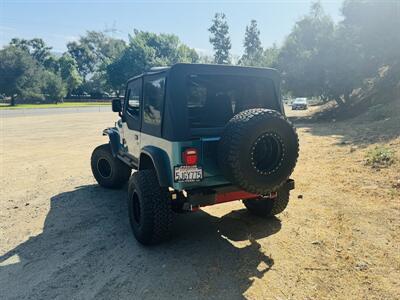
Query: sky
{"points": [[59, 22]]}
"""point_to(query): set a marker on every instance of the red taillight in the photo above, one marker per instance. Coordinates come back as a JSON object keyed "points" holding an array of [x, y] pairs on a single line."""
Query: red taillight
{"points": [[189, 157]]}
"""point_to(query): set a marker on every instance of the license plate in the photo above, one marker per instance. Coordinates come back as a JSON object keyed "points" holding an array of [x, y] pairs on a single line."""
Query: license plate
{"points": [[188, 174]]}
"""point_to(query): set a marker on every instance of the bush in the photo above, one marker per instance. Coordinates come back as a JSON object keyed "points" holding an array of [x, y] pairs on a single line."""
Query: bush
{"points": [[53, 88], [379, 157]]}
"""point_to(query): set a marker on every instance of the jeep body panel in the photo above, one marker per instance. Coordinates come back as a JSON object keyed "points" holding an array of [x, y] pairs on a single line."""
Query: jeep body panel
{"points": [[173, 158]]}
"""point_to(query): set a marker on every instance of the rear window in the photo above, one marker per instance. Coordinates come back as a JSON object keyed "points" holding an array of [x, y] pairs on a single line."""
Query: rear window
{"points": [[212, 100], [300, 100]]}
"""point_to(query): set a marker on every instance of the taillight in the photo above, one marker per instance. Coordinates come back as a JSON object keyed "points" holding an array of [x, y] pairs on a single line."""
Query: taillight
{"points": [[189, 157]]}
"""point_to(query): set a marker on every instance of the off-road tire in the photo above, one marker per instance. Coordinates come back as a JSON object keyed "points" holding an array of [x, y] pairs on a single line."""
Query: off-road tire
{"points": [[268, 207], [153, 224], [236, 150], [109, 171]]}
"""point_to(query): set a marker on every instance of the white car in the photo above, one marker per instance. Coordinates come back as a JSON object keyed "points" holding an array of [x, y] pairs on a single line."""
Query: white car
{"points": [[299, 103]]}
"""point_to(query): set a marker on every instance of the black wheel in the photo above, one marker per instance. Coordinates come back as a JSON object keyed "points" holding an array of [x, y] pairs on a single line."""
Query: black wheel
{"points": [[149, 207], [108, 170], [258, 150], [268, 207]]}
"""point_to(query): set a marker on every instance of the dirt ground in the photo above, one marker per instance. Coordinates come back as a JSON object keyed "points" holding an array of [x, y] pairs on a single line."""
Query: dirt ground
{"points": [[62, 236]]}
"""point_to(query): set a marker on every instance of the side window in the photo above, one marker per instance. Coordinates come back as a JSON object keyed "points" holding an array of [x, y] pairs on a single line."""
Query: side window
{"points": [[133, 97], [153, 100], [197, 96]]}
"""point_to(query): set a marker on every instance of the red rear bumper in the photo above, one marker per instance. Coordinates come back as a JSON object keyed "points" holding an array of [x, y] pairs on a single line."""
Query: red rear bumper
{"points": [[228, 194], [232, 196]]}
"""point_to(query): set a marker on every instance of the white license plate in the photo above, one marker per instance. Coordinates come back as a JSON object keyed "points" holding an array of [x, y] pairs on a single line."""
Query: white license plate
{"points": [[188, 174]]}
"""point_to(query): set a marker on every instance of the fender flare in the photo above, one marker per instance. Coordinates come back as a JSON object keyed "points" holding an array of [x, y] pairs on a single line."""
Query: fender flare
{"points": [[114, 138], [160, 161]]}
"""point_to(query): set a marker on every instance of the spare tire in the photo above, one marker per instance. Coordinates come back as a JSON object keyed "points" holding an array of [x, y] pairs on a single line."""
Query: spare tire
{"points": [[258, 150]]}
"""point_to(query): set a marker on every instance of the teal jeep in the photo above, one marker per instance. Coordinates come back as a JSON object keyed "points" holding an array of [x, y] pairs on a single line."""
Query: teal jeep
{"points": [[198, 135]]}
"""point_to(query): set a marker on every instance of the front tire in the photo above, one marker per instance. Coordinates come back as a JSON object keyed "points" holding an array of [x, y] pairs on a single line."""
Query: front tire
{"points": [[149, 206], [109, 171], [268, 207]]}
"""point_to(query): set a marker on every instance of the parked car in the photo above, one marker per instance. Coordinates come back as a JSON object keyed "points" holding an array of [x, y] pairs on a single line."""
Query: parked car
{"points": [[299, 103]]}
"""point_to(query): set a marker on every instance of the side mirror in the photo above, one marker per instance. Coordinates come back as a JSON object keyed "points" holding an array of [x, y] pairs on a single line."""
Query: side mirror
{"points": [[116, 105]]}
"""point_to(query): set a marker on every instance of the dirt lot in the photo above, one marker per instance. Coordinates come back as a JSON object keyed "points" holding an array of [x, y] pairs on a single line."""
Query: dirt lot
{"points": [[62, 236]]}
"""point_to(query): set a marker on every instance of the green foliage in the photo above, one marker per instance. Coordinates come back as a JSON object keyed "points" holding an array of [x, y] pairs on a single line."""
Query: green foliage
{"points": [[220, 39], [23, 75], [93, 53], [18, 73], [53, 87], [303, 56], [69, 72], [270, 57], [97, 86], [376, 26], [83, 56], [330, 61], [379, 157], [146, 50], [317, 59], [95, 50], [36, 48], [253, 51]]}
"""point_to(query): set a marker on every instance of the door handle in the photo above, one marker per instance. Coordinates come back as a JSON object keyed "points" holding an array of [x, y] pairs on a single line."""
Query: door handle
{"points": [[136, 137]]}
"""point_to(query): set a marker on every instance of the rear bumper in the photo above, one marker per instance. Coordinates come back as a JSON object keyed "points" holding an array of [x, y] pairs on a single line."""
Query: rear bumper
{"points": [[206, 197]]}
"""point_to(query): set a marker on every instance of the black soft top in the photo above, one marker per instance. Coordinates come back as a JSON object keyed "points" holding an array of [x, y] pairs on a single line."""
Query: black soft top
{"points": [[175, 125]]}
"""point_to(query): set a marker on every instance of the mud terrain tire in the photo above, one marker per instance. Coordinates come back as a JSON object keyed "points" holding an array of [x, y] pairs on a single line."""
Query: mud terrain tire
{"points": [[149, 207], [268, 207], [108, 170], [258, 150]]}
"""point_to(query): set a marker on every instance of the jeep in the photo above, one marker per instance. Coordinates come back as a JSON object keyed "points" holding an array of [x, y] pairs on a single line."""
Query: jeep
{"points": [[198, 135]]}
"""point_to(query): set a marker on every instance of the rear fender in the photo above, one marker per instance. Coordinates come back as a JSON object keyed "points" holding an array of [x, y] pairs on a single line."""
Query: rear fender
{"points": [[153, 157]]}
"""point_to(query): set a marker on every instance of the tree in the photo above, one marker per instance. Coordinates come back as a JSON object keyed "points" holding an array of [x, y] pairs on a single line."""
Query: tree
{"points": [[69, 72], [304, 55], [375, 26], [270, 57], [345, 69], [94, 51], [146, 50], [53, 87], [18, 73], [364, 41], [84, 57], [220, 39], [322, 59], [253, 51], [37, 48]]}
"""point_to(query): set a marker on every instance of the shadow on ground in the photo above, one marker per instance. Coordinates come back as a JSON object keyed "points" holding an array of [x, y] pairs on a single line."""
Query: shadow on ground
{"points": [[86, 250]]}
